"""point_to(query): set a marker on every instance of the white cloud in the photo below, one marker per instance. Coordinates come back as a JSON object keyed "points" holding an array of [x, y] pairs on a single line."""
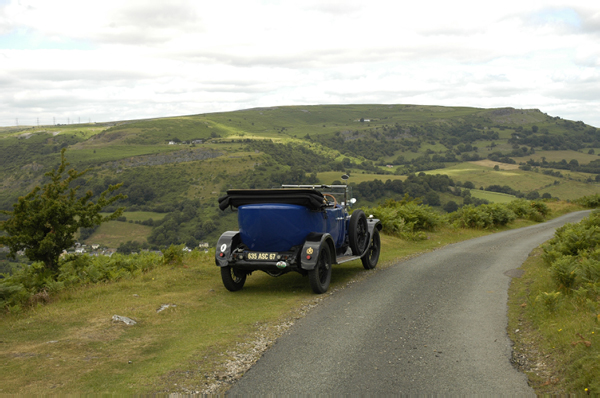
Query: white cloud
{"points": [[131, 59]]}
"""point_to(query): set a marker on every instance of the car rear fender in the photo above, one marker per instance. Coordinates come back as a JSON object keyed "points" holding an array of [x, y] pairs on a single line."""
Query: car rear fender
{"points": [[228, 242], [312, 246]]}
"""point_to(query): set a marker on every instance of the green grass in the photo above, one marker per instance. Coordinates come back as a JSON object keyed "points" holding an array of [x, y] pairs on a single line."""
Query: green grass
{"points": [[102, 154], [558, 361]]}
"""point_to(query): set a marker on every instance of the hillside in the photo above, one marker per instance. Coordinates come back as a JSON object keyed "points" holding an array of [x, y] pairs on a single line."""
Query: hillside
{"points": [[173, 169]]}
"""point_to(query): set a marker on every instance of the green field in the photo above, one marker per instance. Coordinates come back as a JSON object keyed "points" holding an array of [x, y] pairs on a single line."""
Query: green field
{"points": [[524, 181], [493, 197], [557, 156], [358, 177], [141, 215], [112, 233]]}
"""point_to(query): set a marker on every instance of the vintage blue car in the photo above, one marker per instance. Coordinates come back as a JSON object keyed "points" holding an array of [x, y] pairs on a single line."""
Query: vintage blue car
{"points": [[301, 228]]}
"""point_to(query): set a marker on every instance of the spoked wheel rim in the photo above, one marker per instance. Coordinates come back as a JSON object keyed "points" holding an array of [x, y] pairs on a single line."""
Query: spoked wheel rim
{"points": [[233, 280], [320, 276], [371, 258], [235, 277], [362, 234], [323, 269]]}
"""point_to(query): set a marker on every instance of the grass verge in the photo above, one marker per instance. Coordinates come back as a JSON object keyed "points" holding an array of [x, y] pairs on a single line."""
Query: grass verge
{"points": [[557, 340]]}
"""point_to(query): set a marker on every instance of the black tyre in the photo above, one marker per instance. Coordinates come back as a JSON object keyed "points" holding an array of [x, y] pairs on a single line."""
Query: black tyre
{"points": [[233, 279], [320, 276], [370, 258], [358, 232]]}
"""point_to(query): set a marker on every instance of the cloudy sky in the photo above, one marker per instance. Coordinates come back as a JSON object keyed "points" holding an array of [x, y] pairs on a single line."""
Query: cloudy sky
{"points": [[82, 60]]}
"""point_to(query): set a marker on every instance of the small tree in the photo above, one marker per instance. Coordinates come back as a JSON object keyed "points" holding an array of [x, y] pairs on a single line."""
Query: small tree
{"points": [[43, 223]]}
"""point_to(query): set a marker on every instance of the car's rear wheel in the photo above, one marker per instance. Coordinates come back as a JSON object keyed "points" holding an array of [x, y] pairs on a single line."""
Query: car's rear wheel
{"points": [[320, 276], [358, 232], [370, 259], [233, 279]]}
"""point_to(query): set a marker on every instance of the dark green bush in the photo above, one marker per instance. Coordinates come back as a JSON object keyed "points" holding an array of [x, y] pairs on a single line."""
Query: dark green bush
{"points": [[573, 257], [529, 210], [501, 214], [590, 201], [471, 217], [407, 218]]}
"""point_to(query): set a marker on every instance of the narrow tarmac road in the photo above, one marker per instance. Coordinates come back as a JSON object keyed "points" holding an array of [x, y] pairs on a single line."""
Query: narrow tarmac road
{"points": [[434, 324]]}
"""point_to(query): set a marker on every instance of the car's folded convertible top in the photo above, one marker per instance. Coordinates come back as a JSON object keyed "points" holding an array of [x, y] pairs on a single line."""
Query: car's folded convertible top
{"points": [[306, 197]]}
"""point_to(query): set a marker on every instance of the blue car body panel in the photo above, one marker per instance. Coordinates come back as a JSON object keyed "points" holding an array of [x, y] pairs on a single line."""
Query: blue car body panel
{"points": [[275, 227]]}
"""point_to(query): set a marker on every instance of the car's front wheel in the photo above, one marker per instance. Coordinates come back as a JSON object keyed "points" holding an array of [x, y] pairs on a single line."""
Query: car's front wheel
{"points": [[233, 279], [371, 258], [320, 276]]}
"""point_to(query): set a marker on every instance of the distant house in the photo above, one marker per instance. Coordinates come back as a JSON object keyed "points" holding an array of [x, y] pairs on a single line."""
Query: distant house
{"points": [[172, 143], [197, 141]]}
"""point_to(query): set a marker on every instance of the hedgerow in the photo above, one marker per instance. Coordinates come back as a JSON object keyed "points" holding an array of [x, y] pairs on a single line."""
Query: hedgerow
{"points": [[409, 219]]}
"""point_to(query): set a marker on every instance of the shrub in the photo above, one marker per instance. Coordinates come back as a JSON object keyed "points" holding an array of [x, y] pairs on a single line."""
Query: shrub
{"points": [[406, 219], [173, 255], [590, 201], [501, 214], [573, 257], [563, 272], [471, 217], [529, 210], [548, 300]]}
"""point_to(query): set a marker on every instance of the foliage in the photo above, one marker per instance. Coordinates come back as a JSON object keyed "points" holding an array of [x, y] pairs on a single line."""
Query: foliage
{"points": [[406, 218], [573, 257], [529, 210], [173, 255], [590, 201], [34, 283], [471, 217], [496, 214], [43, 223]]}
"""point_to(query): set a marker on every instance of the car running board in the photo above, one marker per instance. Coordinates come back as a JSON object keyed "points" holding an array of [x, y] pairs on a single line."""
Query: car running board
{"points": [[345, 259]]}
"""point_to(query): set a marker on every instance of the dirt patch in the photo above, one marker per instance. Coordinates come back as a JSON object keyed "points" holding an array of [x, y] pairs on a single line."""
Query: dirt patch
{"points": [[491, 164]]}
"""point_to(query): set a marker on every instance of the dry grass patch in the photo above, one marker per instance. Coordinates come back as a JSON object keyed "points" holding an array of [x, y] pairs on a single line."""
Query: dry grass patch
{"points": [[491, 164]]}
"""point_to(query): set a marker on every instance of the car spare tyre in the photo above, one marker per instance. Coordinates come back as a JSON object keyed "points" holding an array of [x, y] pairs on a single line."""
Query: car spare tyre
{"points": [[358, 232]]}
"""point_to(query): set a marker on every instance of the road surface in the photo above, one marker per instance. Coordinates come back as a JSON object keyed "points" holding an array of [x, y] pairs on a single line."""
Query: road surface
{"points": [[434, 324]]}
